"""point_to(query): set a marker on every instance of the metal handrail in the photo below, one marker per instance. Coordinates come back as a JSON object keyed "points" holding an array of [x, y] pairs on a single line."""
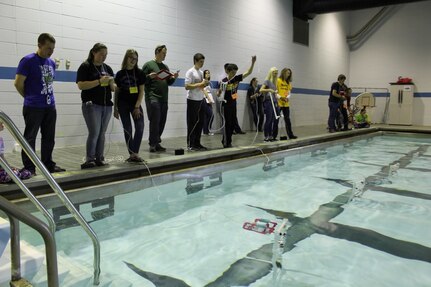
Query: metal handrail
{"points": [[15, 215], [57, 190], [27, 192]]}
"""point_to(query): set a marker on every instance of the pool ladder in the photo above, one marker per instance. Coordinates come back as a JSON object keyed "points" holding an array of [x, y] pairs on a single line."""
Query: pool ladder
{"points": [[47, 231]]}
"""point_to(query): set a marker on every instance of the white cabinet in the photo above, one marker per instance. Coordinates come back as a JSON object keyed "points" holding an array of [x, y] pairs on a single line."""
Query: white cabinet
{"points": [[401, 104]]}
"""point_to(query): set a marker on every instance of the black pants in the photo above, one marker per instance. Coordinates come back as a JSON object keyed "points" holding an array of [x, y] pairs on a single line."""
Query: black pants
{"points": [[157, 114], [230, 118], [43, 119], [195, 119], [133, 141], [208, 118], [343, 111], [258, 115], [286, 114]]}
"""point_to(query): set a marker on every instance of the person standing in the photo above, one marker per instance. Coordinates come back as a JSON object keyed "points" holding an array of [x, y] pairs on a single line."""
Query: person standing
{"points": [[336, 98], [209, 114], [229, 87], [255, 99], [284, 87], [194, 84], [156, 96], [130, 81], [95, 79], [270, 106], [34, 82], [236, 128]]}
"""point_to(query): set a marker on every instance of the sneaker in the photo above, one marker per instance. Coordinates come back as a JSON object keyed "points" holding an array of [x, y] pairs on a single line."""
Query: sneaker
{"points": [[160, 148], [227, 146], [292, 137], [266, 139], [273, 140], [30, 171], [241, 133], [211, 134], [153, 149], [101, 162], [332, 130], [56, 169], [88, 164]]}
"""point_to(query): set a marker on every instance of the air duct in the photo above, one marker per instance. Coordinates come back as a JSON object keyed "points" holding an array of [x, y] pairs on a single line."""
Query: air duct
{"points": [[307, 9]]}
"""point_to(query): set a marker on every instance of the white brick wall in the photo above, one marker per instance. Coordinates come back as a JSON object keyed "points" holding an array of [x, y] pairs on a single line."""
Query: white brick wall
{"points": [[223, 30]]}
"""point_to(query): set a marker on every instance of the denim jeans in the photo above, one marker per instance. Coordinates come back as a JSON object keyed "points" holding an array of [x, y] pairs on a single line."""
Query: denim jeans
{"points": [[270, 129], [208, 118], [43, 119], [97, 119], [133, 142], [157, 114], [333, 112]]}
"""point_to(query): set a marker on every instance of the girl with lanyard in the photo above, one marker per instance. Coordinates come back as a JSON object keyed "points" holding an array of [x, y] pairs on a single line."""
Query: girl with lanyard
{"points": [[270, 105], [284, 87], [130, 82], [96, 82]]}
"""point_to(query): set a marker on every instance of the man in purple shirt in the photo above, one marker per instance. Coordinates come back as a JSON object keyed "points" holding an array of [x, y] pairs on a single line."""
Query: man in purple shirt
{"points": [[33, 81]]}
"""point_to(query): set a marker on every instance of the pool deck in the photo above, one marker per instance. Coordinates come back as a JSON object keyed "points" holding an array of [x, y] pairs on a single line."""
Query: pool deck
{"points": [[244, 145]]}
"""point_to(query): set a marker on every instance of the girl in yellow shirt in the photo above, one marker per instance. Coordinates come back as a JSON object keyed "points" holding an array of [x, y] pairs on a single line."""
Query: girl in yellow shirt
{"points": [[284, 87]]}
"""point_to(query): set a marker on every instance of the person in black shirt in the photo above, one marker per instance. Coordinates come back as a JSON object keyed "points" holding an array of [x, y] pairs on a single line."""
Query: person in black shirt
{"points": [[95, 79], [336, 98], [129, 93], [229, 86]]}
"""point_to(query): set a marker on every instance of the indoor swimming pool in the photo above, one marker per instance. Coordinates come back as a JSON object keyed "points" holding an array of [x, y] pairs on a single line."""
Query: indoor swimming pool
{"points": [[190, 228]]}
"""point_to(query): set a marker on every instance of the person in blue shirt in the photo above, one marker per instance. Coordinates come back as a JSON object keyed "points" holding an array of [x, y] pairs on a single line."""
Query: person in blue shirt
{"points": [[34, 82]]}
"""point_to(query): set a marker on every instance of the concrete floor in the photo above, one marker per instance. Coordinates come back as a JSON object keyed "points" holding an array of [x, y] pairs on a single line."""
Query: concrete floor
{"points": [[246, 145]]}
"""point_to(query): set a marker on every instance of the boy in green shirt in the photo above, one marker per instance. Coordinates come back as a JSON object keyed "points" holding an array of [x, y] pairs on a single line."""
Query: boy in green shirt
{"points": [[362, 120]]}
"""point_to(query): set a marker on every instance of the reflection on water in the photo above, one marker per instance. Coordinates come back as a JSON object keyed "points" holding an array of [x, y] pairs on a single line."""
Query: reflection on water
{"points": [[198, 183], [195, 238], [100, 209]]}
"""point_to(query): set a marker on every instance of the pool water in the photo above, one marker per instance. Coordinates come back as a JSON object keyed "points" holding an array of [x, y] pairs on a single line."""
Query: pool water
{"points": [[189, 232]]}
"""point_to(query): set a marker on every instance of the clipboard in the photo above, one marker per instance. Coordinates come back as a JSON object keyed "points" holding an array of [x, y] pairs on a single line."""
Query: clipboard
{"points": [[163, 75]]}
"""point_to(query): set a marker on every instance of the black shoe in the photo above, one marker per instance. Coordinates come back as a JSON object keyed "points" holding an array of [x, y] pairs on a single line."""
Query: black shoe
{"points": [[193, 148], [227, 146], [88, 164], [101, 163], [266, 140], [346, 129], [153, 149], [135, 158], [160, 148], [241, 133], [292, 137], [273, 140], [331, 130], [201, 147], [56, 169]]}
